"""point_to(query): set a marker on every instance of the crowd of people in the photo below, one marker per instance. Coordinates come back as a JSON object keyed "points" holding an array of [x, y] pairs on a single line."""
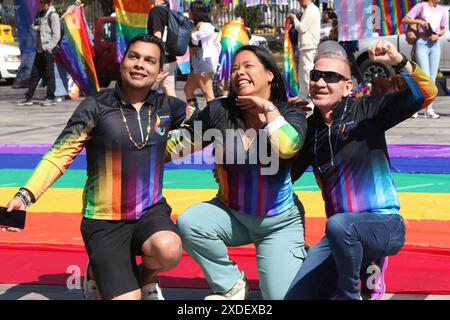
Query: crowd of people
{"points": [[127, 132]]}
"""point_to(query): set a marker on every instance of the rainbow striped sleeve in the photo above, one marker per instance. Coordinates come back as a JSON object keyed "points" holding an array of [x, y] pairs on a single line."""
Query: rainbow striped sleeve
{"points": [[284, 137], [422, 87], [66, 147]]}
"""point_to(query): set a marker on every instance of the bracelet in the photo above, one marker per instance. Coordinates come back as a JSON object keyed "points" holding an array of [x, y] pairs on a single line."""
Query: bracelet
{"points": [[269, 108], [24, 195], [401, 65]]}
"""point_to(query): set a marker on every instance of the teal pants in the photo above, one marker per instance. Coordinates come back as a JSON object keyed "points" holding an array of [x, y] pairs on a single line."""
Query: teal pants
{"points": [[208, 228]]}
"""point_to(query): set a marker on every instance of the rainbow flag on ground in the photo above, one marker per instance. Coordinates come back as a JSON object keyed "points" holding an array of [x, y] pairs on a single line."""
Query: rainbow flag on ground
{"points": [[389, 15], [290, 68], [233, 36], [131, 20], [76, 50]]}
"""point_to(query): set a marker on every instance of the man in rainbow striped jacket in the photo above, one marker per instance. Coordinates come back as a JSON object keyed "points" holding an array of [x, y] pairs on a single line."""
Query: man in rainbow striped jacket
{"points": [[346, 146], [124, 131]]}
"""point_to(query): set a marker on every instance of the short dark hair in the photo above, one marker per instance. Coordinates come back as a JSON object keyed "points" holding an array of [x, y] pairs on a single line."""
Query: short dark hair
{"points": [[277, 88], [46, 1], [148, 39], [200, 12]]}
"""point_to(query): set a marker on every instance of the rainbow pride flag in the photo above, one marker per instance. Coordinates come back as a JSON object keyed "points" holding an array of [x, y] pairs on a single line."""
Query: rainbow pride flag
{"points": [[290, 69], [233, 36], [76, 50], [131, 20], [389, 14]]}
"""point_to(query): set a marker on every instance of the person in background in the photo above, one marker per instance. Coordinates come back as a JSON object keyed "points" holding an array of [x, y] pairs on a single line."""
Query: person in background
{"points": [[203, 52], [156, 25], [308, 28], [47, 27], [328, 18]]}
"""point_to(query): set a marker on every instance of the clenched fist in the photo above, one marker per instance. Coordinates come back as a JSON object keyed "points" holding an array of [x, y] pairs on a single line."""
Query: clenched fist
{"points": [[385, 52]]}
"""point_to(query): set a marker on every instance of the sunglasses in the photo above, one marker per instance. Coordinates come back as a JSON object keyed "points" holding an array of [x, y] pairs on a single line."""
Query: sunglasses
{"points": [[327, 76]]}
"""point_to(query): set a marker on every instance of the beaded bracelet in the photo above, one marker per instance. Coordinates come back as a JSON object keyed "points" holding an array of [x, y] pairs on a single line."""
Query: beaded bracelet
{"points": [[25, 197]]}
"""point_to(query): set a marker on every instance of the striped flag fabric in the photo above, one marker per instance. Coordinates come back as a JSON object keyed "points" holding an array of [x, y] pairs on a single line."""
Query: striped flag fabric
{"points": [[389, 14], [355, 19], [76, 51], [25, 12], [131, 20], [233, 36], [184, 63], [290, 69]]}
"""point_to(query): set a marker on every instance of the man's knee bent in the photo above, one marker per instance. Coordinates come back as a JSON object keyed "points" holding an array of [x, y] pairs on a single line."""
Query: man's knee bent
{"points": [[166, 248], [336, 226]]}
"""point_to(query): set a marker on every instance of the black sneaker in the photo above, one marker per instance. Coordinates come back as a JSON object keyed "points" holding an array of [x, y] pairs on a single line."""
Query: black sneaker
{"points": [[24, 102], [48, 102]]}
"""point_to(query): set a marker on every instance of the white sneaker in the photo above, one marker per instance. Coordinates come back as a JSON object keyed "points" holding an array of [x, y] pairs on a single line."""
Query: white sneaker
{"points": [[238, 292], [151, 291], [89, 286], [431, 114]]}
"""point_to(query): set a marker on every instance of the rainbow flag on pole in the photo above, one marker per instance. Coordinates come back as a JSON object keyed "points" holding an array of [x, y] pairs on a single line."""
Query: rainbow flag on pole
{"points": [[76, 50], [131, 20], [233, 36], [389, 15], [290, 69]]}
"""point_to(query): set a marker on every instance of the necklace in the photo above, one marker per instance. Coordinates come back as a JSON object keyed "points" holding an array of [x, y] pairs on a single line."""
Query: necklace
{"points": [[333, 151], [144, 143]]}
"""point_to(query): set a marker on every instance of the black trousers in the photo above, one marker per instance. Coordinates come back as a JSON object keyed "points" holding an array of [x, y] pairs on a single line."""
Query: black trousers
{"points": [[43, 67]]}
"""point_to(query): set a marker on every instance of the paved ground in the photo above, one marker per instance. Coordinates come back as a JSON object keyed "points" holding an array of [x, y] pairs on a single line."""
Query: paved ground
{"points": [[37, 124]]}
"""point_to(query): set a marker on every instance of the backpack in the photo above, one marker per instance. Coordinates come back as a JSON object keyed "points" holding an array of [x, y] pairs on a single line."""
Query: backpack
{"points": [[61, 27], [178, 33]]}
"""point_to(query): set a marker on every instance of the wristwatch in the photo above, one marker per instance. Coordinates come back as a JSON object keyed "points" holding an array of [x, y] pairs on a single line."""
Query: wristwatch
{"points": [[401, 65]]}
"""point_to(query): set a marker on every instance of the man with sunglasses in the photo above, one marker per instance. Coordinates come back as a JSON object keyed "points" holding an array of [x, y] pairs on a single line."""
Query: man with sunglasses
{"points": [[346, 146]]}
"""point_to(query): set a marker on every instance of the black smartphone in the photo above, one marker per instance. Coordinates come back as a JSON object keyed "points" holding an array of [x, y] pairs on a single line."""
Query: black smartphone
{"points": [[15, 218]]}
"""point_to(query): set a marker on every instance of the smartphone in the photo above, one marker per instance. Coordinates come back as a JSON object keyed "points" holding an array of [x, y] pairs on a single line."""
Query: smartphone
{"points": [[15, 218]]}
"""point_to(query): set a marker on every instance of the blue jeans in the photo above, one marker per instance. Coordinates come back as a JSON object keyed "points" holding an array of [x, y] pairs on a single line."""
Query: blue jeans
{"points": [[332, 267], [428, 55], [61, 80]]}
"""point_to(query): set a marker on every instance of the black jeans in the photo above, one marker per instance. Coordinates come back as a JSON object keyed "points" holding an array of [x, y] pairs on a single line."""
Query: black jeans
{"points": [[43, 67]]}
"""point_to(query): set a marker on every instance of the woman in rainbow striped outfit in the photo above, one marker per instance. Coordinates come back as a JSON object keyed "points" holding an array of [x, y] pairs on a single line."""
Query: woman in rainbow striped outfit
{"points": [[255, 201]]}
